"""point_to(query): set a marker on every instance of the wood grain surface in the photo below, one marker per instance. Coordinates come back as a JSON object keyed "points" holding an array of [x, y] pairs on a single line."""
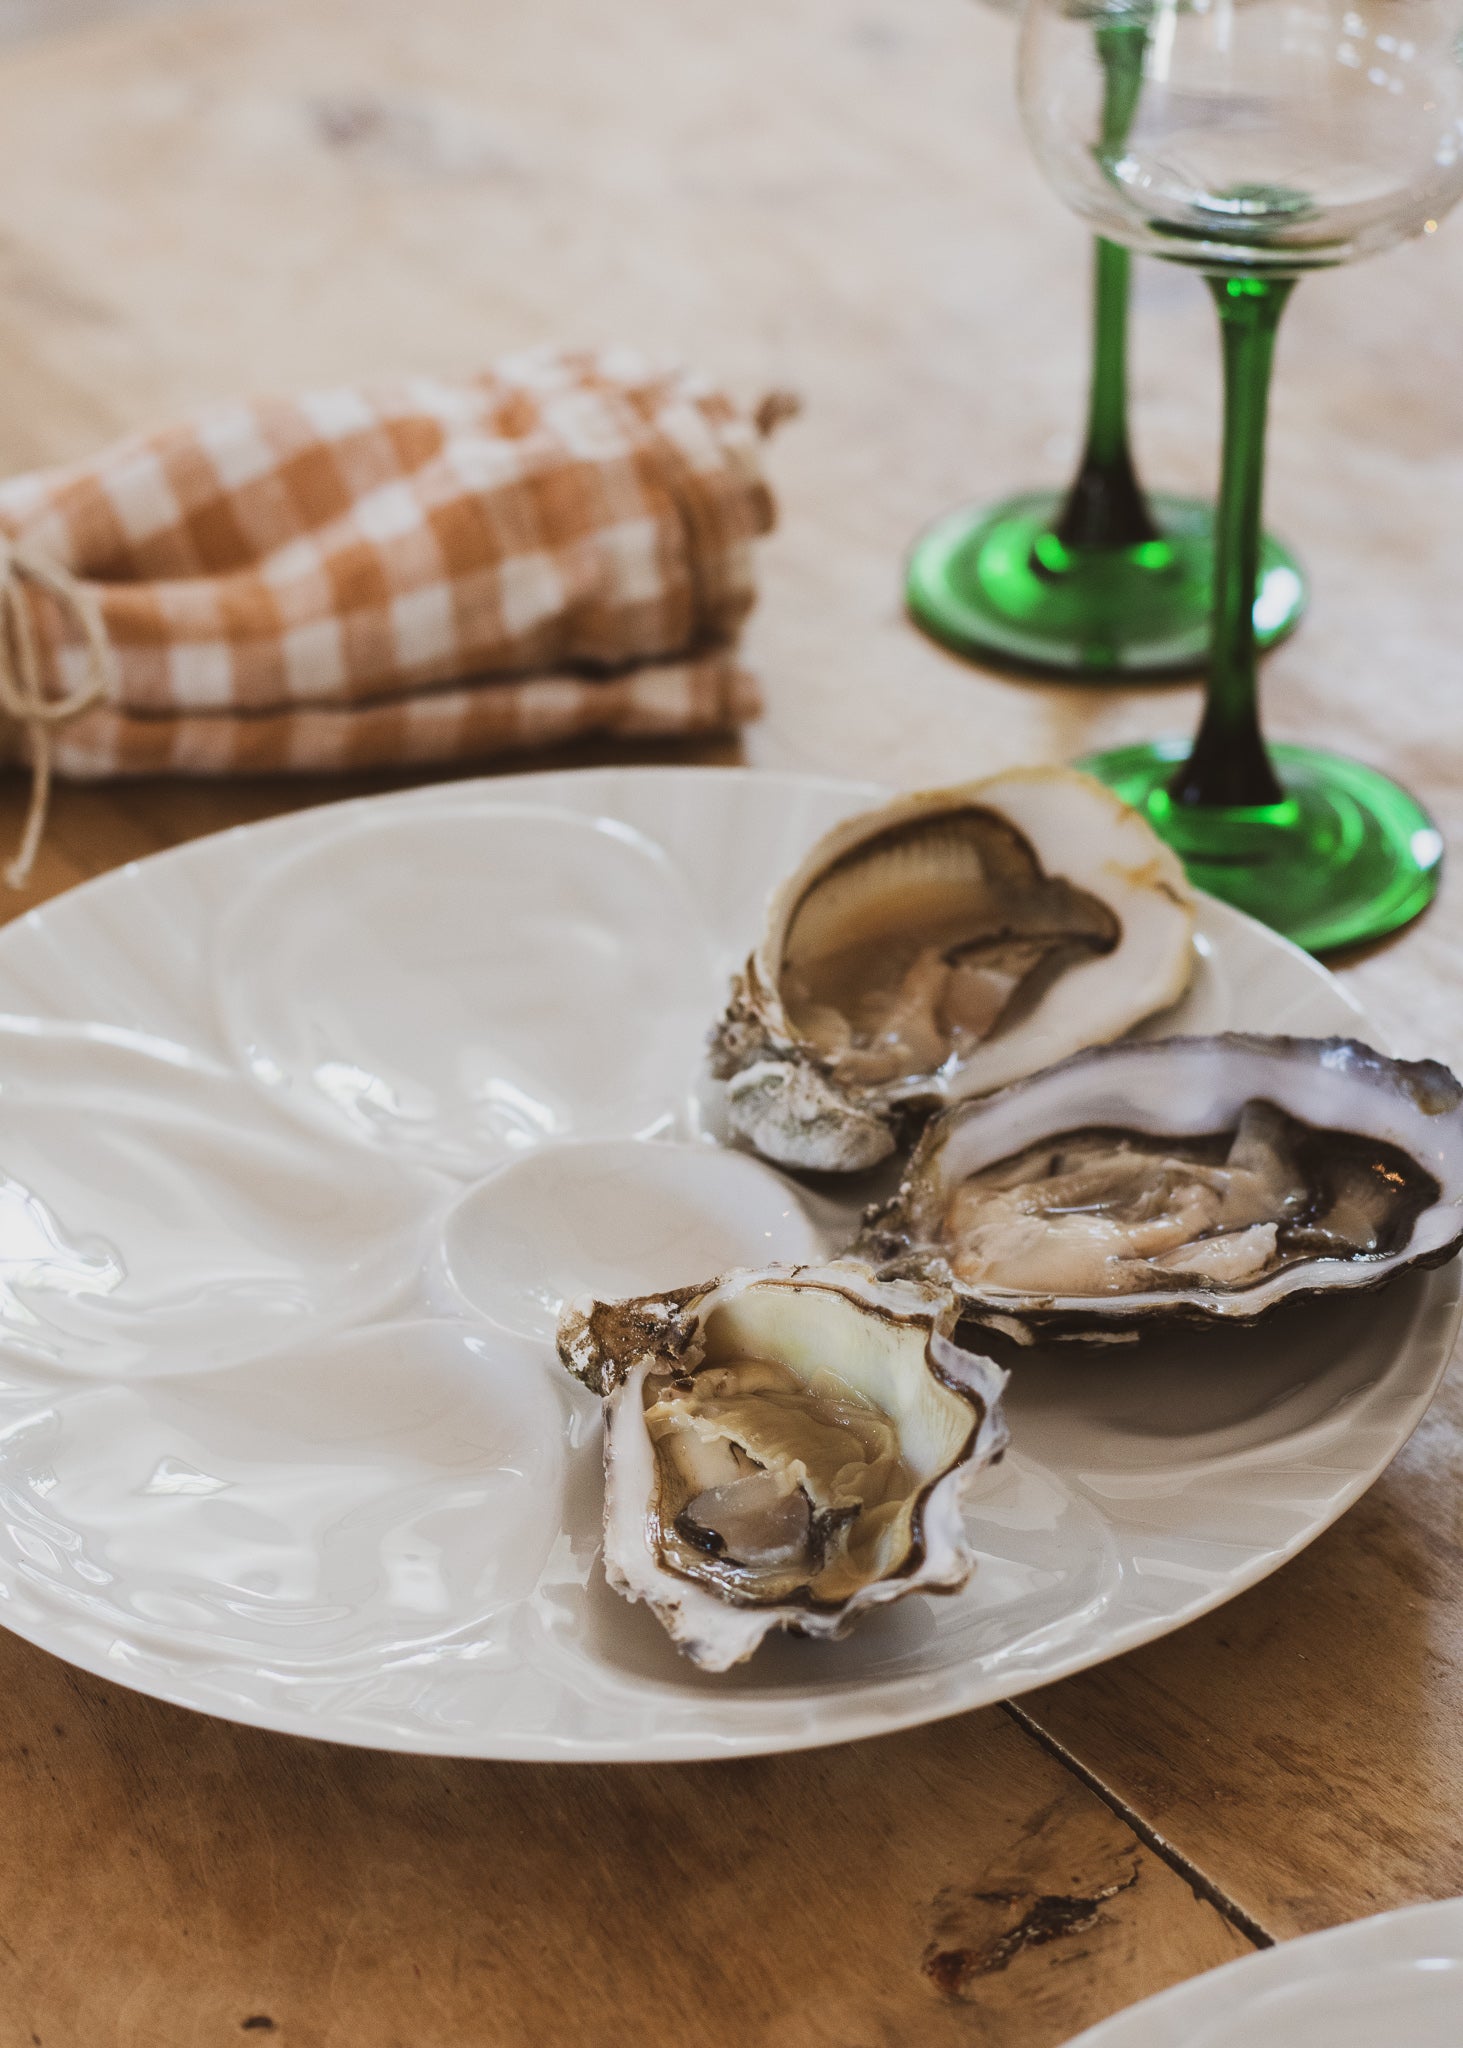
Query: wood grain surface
{"points": [[832, 195], [1302, 1745], [170, 1880]]}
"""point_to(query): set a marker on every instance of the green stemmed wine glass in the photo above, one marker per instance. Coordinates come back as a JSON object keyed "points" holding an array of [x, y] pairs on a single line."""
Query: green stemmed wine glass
{"points": [[1268, 138], [1101, 581]]}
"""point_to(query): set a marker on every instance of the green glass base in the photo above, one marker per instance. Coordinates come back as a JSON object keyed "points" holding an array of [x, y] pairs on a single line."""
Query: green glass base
{"points": [[1349, 856], [996, 583]]}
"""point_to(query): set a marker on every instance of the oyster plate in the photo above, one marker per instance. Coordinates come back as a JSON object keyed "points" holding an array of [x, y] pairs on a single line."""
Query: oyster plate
{"points": [[282, 1433]]}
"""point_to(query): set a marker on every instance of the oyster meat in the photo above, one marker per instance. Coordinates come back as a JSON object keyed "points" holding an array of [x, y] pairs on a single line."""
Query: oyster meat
{"points": [[1179, 1180], [942, 946], [784, 1449]]}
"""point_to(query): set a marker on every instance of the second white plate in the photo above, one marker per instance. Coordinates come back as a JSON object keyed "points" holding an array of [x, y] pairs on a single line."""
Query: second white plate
{"points": [[1397, 1977]]}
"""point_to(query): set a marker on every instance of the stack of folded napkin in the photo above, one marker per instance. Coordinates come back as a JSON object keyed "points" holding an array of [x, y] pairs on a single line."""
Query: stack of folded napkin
{"points": [[404, 572]]}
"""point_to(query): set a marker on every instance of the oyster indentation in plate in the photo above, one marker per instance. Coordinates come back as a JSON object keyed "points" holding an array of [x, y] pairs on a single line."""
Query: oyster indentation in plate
{"points": [[377, 1489], [458, 988], [613, 1217], [156, 1216]]}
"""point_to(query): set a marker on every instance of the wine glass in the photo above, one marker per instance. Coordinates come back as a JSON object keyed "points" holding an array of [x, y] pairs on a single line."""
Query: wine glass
{"points": [[1267, 138], [1099, 581]]}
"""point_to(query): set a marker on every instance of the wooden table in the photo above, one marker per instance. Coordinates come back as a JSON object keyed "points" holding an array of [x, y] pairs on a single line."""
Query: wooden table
{"points": [[830, 194]]}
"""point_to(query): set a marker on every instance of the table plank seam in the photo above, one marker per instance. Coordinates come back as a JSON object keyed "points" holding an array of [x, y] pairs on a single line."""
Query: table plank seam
{"points": [[1202, 1885]]}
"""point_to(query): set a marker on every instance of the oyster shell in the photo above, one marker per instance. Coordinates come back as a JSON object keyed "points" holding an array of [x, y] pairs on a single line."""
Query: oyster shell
{"points": [[784, 1449], [1181, 1180], [942, 946]]}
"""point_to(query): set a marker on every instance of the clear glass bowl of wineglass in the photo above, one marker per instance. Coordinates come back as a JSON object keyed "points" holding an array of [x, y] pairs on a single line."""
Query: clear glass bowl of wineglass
{"points": [[1283, 135], [1103, 581], [1267, 138]]}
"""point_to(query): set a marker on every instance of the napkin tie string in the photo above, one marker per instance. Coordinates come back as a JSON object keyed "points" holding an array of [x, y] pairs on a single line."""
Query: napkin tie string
{"points": [[23, 697]]}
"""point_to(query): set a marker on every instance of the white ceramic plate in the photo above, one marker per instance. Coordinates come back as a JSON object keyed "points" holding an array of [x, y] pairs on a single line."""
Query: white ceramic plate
{"points": [[304, 1132], [1396, 1978]]}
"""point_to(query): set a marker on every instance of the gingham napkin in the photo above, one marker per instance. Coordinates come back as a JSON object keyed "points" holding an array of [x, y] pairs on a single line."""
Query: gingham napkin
{"points": [[407, 572]]}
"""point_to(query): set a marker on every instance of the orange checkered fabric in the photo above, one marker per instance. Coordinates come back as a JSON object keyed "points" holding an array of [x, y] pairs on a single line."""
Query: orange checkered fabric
{"points": [[411, 572]]}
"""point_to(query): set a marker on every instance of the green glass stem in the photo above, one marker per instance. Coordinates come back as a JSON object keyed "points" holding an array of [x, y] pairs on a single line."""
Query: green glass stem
{"points": [[1327, 850], [1105, 507], [1098, 582], [1229, 764]]}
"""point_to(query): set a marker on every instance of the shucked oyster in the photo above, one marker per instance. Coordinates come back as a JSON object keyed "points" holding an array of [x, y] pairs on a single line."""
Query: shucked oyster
{"points": [[940, 947], [783, 1449], [1185, 1179]]}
